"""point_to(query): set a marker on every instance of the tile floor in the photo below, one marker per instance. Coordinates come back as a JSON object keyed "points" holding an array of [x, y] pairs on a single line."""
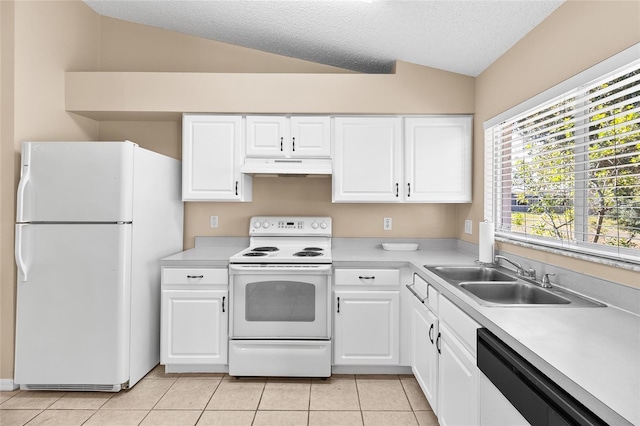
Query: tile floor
{"points": [[216, 399]]}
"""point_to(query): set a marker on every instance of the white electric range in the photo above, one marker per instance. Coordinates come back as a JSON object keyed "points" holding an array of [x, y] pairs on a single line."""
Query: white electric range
{"points": [[280, 295]]}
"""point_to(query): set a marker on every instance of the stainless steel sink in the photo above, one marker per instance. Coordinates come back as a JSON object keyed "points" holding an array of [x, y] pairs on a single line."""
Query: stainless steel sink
{"points": [[470, 273], [515, 293], [497, 286]]}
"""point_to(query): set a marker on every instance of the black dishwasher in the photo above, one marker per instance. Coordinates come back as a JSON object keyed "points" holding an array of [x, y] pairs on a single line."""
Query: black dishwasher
{"points": [[534, 395]]}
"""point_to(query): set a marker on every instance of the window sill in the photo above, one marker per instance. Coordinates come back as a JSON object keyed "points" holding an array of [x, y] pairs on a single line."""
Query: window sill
{"points": [[617, 263]]}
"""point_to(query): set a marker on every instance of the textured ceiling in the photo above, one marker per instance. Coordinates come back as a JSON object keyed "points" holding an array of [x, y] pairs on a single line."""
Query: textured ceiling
{"points": [[462, 36]]}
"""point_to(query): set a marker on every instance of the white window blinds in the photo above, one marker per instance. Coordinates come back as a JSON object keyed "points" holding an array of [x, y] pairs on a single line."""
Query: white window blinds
{"points": [[566, 173]]}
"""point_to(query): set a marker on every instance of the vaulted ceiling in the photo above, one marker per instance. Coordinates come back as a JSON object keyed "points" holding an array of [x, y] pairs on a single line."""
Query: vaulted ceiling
{"points": [[462, 36]]}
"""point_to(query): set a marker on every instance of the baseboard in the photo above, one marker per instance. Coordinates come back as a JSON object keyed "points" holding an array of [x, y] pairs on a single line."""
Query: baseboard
{"points": [[7, 385], [370, 369]]}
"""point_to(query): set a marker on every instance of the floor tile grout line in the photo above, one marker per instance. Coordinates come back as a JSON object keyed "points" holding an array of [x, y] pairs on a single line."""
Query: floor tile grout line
{"points": [[357, 380]]}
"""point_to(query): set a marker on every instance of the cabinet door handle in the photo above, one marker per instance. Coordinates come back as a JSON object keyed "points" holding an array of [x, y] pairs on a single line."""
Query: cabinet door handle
{"points": [[294, 144], [408, 190], [338, 305], [281, 144], [367, 278], [236, 187], [438, 343], [397, 190], [223, 298], [431, 337], [195, 276]]}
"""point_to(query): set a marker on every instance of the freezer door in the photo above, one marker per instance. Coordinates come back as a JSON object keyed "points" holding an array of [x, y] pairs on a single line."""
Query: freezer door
{"points": [[73, 304], [76, 182]]}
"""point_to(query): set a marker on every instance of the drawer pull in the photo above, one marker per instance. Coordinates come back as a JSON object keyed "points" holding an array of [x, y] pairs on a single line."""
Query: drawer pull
{"points": [[195, 276], [367, 278]]}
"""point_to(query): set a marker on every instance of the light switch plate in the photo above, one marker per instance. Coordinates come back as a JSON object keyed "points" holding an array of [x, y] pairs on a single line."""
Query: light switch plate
{"points": [[468, 226]]}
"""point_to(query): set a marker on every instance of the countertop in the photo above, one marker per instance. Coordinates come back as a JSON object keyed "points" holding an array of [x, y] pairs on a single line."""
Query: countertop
{"points": [[593, 353]]}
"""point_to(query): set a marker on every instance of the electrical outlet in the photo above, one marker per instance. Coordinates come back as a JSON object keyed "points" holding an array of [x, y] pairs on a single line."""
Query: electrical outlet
{"points": [[387, 224], [213, 221], [468, 226]]}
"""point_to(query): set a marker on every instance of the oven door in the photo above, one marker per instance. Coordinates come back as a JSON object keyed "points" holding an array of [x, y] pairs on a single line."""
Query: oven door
{"points": [[280, 302]]}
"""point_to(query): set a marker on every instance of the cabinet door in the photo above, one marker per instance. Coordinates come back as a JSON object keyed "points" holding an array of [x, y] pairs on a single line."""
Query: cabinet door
{"points": [[367, 159], [211, 159], [438, 159], [366, 327], [457, 382], [310, 137], [194, 327], [425, 354], [267, 136]]}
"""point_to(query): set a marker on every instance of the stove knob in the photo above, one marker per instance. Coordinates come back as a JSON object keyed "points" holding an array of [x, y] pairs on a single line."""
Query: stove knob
{"points": [[257, 224], [323, 225], [265, 224], [314, 225]]}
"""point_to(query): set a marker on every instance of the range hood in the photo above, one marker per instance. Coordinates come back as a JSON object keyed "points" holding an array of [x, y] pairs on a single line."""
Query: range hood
{"points": [[287, 166]]}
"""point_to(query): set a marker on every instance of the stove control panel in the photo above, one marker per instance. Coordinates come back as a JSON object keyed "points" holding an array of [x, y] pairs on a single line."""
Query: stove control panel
{"points": [[295, 225]]}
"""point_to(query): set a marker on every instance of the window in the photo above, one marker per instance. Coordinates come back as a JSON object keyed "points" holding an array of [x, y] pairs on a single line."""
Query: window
{"points": [[565, 173]]}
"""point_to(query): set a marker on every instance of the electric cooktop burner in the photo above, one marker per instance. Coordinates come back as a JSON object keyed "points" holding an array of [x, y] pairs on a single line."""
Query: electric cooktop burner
{"points": [[312, 249], [307, 254], [254, 254], [266, 248]]}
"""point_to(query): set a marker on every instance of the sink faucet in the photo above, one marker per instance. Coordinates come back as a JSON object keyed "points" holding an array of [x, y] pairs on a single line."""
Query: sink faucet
{"points": [[519, 269]]}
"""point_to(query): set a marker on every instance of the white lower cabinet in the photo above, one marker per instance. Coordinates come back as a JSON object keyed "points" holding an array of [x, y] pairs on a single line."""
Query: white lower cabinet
{"points": [[425, 354], [194, 320], [495, 408], [457, 369], [366, 327], [457, 390]]}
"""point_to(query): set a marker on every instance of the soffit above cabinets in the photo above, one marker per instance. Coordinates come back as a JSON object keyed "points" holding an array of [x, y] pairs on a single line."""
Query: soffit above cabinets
{"points": [[367, 36]]}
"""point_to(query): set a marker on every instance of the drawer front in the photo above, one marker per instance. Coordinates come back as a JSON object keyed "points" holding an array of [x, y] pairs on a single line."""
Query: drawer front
{"points": [[459, 322], [367, 277], [190, 276]]}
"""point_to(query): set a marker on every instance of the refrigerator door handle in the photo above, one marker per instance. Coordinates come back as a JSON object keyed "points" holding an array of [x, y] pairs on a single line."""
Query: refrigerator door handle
{"points": [[22, 187], [20, 262]]}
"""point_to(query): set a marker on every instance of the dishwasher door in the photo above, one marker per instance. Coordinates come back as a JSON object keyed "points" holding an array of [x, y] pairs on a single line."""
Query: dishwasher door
{"points": [[534, 395]]}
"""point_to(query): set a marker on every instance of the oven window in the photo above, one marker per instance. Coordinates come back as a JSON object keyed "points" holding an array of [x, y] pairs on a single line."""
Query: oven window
{"points": [[280, 301]]}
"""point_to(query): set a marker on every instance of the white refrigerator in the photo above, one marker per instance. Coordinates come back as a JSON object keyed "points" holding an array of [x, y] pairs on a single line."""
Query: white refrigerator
{"points": [[93, 220]]}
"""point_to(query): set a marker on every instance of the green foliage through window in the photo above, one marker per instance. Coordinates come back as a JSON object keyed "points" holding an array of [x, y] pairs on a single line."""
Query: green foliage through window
{"points": [[569, 170]]}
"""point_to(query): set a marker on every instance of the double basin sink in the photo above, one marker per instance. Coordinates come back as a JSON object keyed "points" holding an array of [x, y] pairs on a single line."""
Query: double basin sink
{"points": [[492, 286]]}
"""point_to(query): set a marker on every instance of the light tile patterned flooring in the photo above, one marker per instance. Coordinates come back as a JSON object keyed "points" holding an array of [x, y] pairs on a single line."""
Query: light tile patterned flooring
{"points": [[216, 399]]}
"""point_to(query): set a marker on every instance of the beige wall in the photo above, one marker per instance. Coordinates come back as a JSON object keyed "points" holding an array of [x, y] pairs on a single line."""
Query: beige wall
{"points": [[576, 36], [40, 41], [289, 86]]}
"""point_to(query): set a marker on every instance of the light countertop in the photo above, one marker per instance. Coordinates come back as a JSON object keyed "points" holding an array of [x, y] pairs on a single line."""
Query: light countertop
{"points": [[592, 352]]}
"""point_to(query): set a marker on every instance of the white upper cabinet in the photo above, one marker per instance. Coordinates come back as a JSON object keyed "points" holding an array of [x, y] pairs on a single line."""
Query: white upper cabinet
{"points": [[284, 137], [367, 159], [310, 137], [211, 159], [378, 160], [437, 159]]}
